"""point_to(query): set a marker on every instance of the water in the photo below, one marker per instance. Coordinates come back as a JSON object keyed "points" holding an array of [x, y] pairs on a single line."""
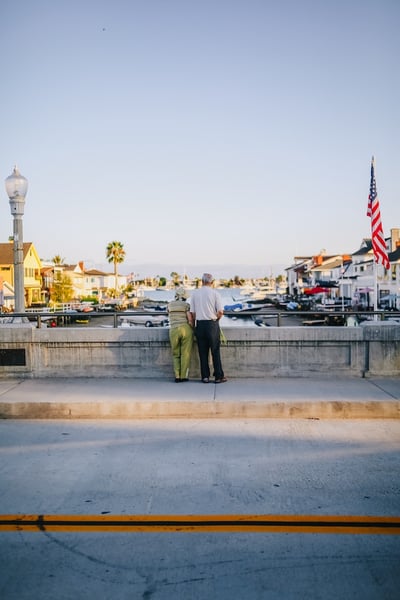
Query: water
{"points": [[229, 295]]}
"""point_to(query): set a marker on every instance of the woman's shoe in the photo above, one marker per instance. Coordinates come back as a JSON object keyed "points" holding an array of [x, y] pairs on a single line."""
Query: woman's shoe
{"points": [[177, 380], [221, 380]]}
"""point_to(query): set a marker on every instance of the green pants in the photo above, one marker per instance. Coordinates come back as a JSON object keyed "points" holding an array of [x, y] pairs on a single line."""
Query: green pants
{"points": [[181, 338]]}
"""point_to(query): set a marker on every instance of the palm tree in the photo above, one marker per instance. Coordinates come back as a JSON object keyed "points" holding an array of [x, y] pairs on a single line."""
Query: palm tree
{"points": [[175, 278], [115, 254], [58, 260]]}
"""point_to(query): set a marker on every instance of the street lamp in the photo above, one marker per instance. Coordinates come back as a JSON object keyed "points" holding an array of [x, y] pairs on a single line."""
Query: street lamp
{"points": [[16, 187]]}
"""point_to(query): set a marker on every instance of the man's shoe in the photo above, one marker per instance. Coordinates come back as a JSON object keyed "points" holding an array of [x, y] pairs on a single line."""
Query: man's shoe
{"points": [[186, 379], [222, 380], [177, 380], [205, 380]]}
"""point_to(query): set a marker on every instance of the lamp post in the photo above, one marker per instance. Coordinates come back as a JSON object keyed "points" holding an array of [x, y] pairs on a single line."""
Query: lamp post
{"points": [[16, 187]]}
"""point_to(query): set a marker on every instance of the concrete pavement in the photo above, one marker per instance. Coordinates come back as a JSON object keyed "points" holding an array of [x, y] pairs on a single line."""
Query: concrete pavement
{"points": [[178, 467], [122, 398]]}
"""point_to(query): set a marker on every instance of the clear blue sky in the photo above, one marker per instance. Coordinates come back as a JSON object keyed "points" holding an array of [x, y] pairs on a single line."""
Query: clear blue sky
{"points": [[200, 132]]}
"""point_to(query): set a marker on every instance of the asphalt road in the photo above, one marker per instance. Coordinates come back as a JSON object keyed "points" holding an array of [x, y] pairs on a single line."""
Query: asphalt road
{"points": [[176, 467]]}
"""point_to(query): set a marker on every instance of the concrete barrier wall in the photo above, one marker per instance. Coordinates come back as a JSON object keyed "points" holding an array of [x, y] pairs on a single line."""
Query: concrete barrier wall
{"points": [[372, 349]]}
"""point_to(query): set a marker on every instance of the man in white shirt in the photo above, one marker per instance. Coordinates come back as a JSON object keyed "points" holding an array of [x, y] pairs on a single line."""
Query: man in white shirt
{"points": [[207, 308]]}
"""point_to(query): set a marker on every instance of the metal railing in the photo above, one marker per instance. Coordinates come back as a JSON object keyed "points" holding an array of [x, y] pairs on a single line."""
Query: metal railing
{"points": [[152, 318], [315, 317]]}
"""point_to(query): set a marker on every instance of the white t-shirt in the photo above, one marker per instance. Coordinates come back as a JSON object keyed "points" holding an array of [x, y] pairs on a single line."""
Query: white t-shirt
{"points": [[206, 302]]}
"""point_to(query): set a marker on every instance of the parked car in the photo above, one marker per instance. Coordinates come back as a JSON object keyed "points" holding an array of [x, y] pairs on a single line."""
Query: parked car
{"points": [[108, 306], [151, 320]]}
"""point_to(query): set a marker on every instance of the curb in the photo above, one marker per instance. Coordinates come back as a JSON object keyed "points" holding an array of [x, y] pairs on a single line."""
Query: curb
{"points": [[201, 410]]}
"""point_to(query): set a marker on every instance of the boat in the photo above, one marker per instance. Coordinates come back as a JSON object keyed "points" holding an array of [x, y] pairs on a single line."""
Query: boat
{"points": [[243, 308]]}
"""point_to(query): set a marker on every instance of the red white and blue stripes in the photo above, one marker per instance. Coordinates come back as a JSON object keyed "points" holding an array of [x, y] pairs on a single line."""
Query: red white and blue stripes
{"points": [[373, 211]]}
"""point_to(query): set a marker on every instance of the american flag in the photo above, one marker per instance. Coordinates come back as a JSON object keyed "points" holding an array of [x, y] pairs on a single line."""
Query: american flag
{"points": [[373, 211]]}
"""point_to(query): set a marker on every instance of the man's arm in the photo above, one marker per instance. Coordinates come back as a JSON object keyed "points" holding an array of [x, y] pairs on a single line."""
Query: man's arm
{"points": [[219, 307]]}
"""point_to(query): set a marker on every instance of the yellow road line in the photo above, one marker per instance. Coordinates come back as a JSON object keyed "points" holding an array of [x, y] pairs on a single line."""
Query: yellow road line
{"points": [[339, 524]]}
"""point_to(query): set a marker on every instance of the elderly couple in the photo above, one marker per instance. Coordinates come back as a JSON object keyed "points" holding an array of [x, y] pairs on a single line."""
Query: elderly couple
{"points": [[202, 314]]}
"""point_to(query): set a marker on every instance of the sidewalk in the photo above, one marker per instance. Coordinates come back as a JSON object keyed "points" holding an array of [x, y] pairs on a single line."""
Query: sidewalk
{"points": [[316, 398]]}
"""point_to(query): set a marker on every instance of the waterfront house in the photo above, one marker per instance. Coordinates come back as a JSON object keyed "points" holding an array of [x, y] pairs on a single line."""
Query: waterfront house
{"points": [[97, 283], [32, 268], [351, 275]]}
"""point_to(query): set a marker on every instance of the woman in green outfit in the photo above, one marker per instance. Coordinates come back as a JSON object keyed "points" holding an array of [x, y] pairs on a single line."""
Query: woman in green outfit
{"points": [[180, 334]]}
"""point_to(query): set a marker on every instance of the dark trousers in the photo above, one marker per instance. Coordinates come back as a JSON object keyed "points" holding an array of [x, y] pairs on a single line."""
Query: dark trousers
{"points": [[208, 338]]}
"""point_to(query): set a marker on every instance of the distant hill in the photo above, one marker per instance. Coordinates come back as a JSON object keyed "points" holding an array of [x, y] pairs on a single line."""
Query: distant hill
{"points": [[226, 271]]}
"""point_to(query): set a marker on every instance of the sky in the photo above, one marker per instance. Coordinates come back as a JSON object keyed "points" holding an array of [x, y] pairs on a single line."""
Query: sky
{"points": [[231, 134]]}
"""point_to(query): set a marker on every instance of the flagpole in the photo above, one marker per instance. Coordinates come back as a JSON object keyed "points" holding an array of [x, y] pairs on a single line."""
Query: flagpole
{"points": [[380, 255]]}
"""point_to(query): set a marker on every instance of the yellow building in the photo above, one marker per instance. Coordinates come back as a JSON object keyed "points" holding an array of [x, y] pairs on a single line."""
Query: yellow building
{"points": [[32, 266]]}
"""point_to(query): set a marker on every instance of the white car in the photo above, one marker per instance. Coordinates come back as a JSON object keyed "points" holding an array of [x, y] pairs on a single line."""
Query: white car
{"points": [[153, 320]]}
